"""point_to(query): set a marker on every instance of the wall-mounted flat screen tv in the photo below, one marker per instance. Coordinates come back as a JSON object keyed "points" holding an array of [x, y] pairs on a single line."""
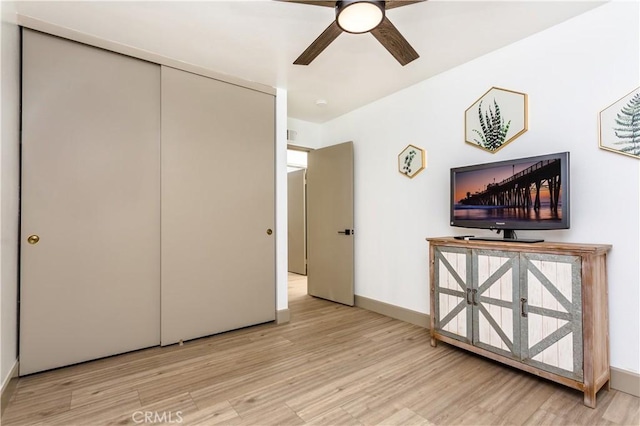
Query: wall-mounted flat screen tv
{"points": [[522, 194]]}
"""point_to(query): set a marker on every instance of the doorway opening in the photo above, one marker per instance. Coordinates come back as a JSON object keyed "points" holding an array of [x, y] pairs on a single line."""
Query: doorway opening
{"points": [[297, 210], [328, 243], [296, 287]]}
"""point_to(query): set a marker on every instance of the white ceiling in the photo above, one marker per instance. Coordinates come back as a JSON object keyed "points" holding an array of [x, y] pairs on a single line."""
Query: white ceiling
{"points": [[259, 40]]}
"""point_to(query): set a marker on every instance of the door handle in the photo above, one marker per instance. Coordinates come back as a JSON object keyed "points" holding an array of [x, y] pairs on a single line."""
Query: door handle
{"points": [[346, 232], [468, 296], [523, 307], [33, 239], [474, 292]]}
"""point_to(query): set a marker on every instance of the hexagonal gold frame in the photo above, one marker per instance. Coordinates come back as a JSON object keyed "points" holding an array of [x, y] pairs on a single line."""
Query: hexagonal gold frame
{"points": [[608, 116], [406, 163], [513, 106]]}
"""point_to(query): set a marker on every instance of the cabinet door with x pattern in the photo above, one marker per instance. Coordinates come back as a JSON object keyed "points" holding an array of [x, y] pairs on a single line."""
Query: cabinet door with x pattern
{"points": [[495, 299], [453, 293], [551, 323]]}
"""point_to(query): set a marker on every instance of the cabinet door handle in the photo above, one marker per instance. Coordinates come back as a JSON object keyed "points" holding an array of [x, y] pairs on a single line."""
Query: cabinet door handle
{"points": [[468, 296], [523, 307], [474, 292]]}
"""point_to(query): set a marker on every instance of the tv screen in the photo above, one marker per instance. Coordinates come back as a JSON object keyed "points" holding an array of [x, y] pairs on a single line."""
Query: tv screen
{"points": [[526, 193]]}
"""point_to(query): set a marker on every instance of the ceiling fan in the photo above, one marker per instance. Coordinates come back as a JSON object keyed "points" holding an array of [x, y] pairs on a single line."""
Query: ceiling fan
{"points": [[358, 17]]}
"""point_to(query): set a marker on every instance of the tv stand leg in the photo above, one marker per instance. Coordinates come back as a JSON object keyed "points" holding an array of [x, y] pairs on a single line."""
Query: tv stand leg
{"points": [[590, 397]]}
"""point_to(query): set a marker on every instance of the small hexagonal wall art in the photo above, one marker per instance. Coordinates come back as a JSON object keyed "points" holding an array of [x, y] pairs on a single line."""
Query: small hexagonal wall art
{"points": [[497, 118], [620, 125], [411, 161]]}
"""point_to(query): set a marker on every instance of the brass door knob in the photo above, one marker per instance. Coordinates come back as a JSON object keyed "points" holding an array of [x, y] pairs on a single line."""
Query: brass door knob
{"points": [[33, 239], [269, 231]]}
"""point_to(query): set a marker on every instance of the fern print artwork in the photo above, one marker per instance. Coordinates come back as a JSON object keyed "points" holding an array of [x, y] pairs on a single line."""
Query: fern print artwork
{"points": [[408, 159], [495, 119], [627, 128], [494, 131], [411, 161], [620, 125]]}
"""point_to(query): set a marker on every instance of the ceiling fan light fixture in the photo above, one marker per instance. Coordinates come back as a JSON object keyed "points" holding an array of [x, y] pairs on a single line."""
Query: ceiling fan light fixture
{"points": [[359, 16]]}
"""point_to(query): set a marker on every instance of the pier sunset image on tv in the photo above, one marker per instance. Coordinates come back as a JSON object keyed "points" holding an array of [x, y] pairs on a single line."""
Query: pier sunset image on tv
{"points": [[527, 193]]}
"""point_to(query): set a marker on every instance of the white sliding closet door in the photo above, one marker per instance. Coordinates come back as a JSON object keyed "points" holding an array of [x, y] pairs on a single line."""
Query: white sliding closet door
{"points": [[218, 251], [90, 193]]}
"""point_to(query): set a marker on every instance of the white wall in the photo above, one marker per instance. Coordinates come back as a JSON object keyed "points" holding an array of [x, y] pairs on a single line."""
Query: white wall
{"points": [[281, 201], [570, 73], [9, 190], [306, 134]]}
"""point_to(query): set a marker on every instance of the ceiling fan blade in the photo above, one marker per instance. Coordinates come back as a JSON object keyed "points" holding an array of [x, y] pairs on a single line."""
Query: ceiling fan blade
{"points": [[392, 4], [331, 33], [389, 36], [327, 3]]}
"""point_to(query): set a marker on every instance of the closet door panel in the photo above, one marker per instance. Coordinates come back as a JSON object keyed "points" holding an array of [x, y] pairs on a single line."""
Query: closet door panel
{"points": [[91, 193], [218, 259]]}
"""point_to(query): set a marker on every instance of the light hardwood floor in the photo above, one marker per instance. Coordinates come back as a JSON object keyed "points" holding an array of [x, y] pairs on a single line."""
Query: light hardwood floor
{"points": [[331, 365]]}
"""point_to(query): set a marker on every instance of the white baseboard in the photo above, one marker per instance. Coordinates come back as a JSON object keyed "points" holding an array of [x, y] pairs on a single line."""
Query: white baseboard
{"points": [[283, 316], [8, 386]]}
